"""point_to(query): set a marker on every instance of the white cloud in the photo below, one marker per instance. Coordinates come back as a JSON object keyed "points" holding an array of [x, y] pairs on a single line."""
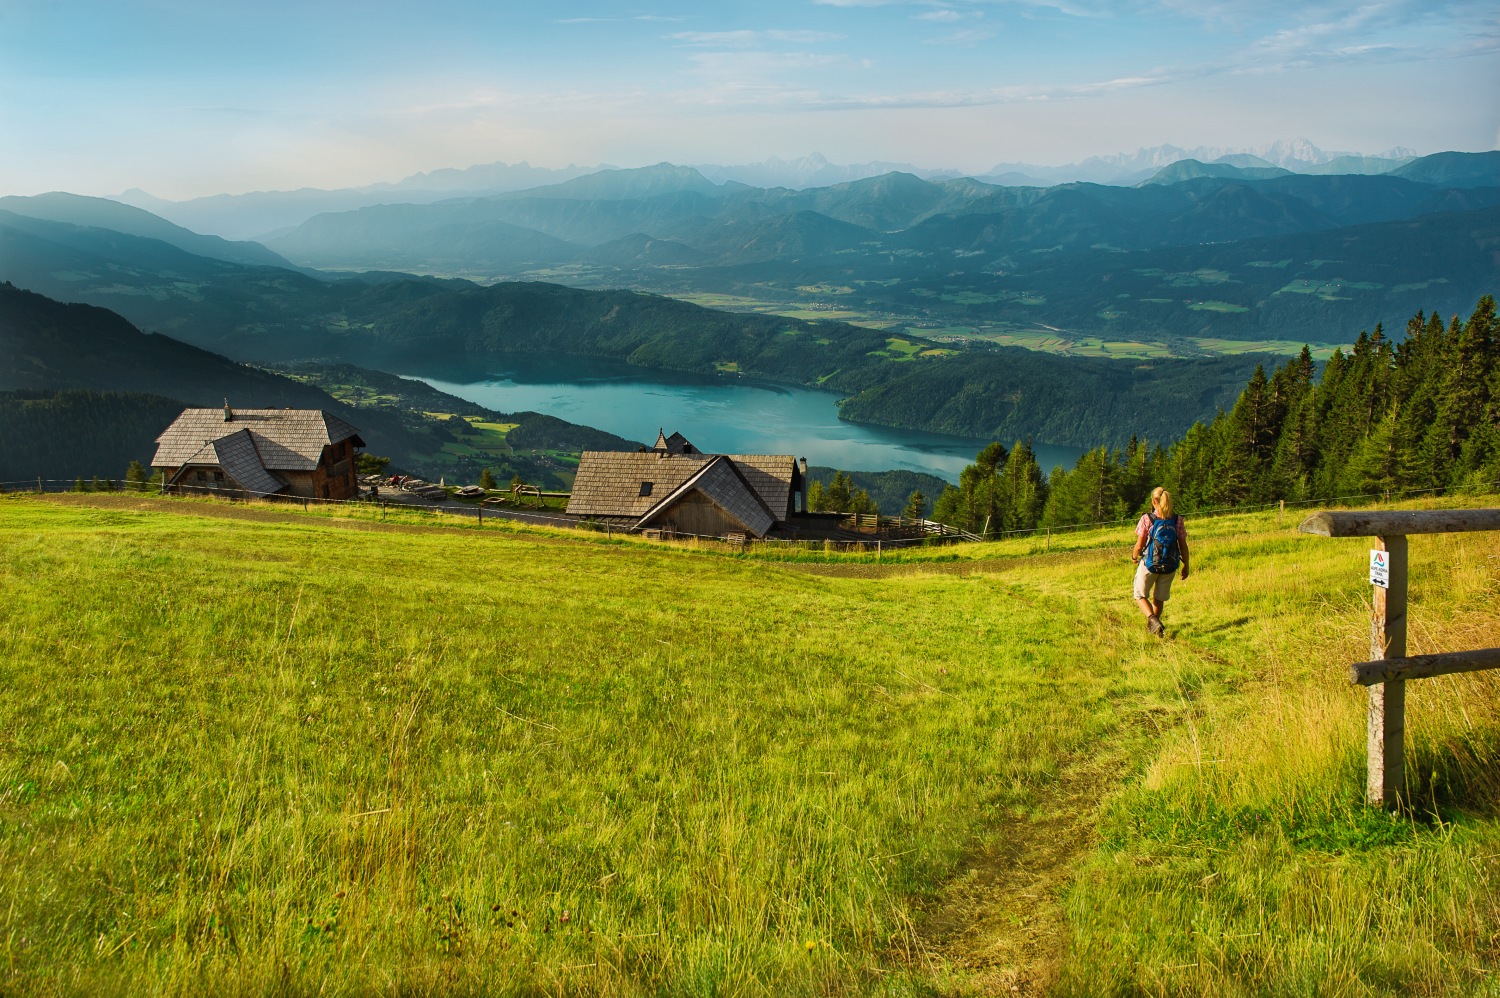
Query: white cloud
{"points": [[745, 38], [804, 37], [716, 37], [968, 36]]}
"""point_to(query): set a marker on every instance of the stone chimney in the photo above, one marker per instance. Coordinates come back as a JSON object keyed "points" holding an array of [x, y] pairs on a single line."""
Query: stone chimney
{"points": [[228, 412]]}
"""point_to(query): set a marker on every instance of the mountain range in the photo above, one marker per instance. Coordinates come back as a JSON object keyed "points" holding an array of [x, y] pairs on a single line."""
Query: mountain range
{"points": [[261, 214], [1082, 259]]}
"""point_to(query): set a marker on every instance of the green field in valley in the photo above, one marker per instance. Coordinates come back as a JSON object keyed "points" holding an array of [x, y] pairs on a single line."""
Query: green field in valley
{"points": [[1040, 338], [253, 751]]}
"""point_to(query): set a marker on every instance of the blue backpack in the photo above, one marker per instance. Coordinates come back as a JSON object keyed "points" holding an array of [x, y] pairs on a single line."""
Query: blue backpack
{"points": [[1162, 556]]}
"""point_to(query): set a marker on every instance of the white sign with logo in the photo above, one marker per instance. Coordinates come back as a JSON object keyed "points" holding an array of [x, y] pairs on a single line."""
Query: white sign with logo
{"points": [[1380, 568]]}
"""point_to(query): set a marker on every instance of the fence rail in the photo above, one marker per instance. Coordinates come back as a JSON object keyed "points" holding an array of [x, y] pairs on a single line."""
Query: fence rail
{"points": [[1390, 667], [934, 532]]}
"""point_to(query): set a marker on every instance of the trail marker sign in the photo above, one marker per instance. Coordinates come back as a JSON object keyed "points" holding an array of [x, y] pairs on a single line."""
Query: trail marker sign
{"points": [[1380, 568]]}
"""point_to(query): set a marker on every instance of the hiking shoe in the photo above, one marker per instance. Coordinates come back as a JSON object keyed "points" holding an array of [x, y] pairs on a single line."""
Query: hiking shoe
{"points": [[1154, 625]]}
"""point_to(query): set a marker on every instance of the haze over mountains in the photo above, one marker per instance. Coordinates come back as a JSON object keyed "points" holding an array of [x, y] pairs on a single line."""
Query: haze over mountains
{"points": [[262, 213]]}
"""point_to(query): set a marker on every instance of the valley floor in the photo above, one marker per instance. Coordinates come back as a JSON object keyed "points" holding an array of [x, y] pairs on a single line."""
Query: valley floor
{"points": [[261, 752]]}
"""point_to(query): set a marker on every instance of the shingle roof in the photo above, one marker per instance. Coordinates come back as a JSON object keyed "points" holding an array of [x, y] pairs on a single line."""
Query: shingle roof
{"points": [[770, 475], [722, 483], [284, 439], [609, 482], [237, 455]]}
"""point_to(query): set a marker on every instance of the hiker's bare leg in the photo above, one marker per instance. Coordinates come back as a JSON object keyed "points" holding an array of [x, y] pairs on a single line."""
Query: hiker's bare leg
{"points": [[1156, 607], [1145, 606]]}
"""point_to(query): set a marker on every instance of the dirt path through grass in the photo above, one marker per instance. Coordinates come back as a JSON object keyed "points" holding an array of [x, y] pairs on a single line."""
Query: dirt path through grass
{"points": [[999, 922]]}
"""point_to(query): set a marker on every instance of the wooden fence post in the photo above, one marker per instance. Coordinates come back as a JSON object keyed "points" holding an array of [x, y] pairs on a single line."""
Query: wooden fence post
{"points": [[1386, 773]]}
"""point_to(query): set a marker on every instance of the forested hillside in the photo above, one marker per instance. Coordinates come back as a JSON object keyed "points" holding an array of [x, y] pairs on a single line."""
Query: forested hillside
{"points": [[103, 366], [1386, 417], [73, 434]]}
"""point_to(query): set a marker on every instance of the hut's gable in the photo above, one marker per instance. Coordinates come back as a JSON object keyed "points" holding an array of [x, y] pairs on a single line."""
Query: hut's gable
{"points": [[753, 491], [237, 456], [722, 484]]}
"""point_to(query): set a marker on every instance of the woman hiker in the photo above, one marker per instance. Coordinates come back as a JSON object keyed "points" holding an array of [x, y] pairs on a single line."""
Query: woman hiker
{"points": [[1160, 546]]}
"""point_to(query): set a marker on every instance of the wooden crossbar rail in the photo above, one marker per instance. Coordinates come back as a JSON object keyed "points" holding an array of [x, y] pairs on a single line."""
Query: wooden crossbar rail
{"points": [[1388, 523], [1395, 670], [1389, 667]]}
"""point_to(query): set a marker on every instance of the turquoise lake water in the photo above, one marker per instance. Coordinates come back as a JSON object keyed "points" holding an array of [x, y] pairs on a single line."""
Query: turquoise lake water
{"points": [[725, 415]]}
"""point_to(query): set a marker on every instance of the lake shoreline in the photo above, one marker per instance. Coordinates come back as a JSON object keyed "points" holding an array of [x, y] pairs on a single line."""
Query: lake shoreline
{"points": [[725, 413]]}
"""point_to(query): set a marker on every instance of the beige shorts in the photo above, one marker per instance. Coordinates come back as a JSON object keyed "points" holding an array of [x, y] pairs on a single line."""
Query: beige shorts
{"points": [[1153, 587]]}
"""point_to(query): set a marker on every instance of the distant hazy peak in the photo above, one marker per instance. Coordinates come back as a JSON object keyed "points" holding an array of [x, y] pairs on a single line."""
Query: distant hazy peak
{"points": [[623, 185]]}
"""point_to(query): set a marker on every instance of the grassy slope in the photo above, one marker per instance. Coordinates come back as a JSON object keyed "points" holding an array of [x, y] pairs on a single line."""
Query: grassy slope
{"points": [[267, 752]]}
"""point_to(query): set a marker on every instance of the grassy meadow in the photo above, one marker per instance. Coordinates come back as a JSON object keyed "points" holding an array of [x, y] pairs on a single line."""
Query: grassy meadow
{"points": [[251, 751]]}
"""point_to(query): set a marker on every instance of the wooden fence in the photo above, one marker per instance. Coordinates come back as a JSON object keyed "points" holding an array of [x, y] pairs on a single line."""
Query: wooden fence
{"points": [[1389, 668]]}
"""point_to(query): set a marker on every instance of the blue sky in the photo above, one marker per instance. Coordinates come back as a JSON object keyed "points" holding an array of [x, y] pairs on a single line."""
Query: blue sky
{"points": [[192, 97]]}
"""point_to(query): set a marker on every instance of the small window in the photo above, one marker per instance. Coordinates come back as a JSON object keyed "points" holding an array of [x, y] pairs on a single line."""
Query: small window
{"points": [[646, 488]]}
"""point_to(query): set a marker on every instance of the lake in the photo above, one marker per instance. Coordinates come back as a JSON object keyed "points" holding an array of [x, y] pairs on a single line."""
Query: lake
{"points": [[720, 415]]}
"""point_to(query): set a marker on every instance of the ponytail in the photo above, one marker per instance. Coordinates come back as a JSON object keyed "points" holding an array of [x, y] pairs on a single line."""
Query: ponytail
{"points": [[1162, 500]]}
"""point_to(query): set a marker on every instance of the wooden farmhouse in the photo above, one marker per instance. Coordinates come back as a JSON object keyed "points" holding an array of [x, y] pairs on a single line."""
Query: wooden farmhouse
{"points": [[306, 453], [673, 488]]}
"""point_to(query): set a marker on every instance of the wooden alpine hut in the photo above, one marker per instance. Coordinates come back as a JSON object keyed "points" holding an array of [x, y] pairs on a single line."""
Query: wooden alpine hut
{"points": [[307, 453], [674, 488]]}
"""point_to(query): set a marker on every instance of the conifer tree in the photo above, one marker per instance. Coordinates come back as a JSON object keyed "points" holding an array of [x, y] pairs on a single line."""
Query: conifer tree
{"points": [[946, 508], [916, 506], [816, 501], [839, 496], [1022, 491]]}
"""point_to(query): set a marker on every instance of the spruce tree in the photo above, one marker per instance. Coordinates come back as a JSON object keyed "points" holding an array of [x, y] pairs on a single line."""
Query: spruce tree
{"points": [[916, 506], [1022, 491], [947, 507], [839, 495], [816, 501]]}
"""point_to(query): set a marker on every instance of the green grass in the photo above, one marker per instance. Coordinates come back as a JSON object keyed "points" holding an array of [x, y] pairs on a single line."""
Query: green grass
{"points": [[1327, 290], [248, 751], [1217, 306]]}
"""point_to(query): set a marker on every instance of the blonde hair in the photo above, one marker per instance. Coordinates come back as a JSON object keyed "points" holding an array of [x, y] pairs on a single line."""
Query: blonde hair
{"points": [[1162, 500]]}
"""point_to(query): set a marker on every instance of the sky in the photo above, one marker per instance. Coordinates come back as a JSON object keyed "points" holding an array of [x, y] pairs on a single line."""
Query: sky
{"points": [[185, 98]]}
